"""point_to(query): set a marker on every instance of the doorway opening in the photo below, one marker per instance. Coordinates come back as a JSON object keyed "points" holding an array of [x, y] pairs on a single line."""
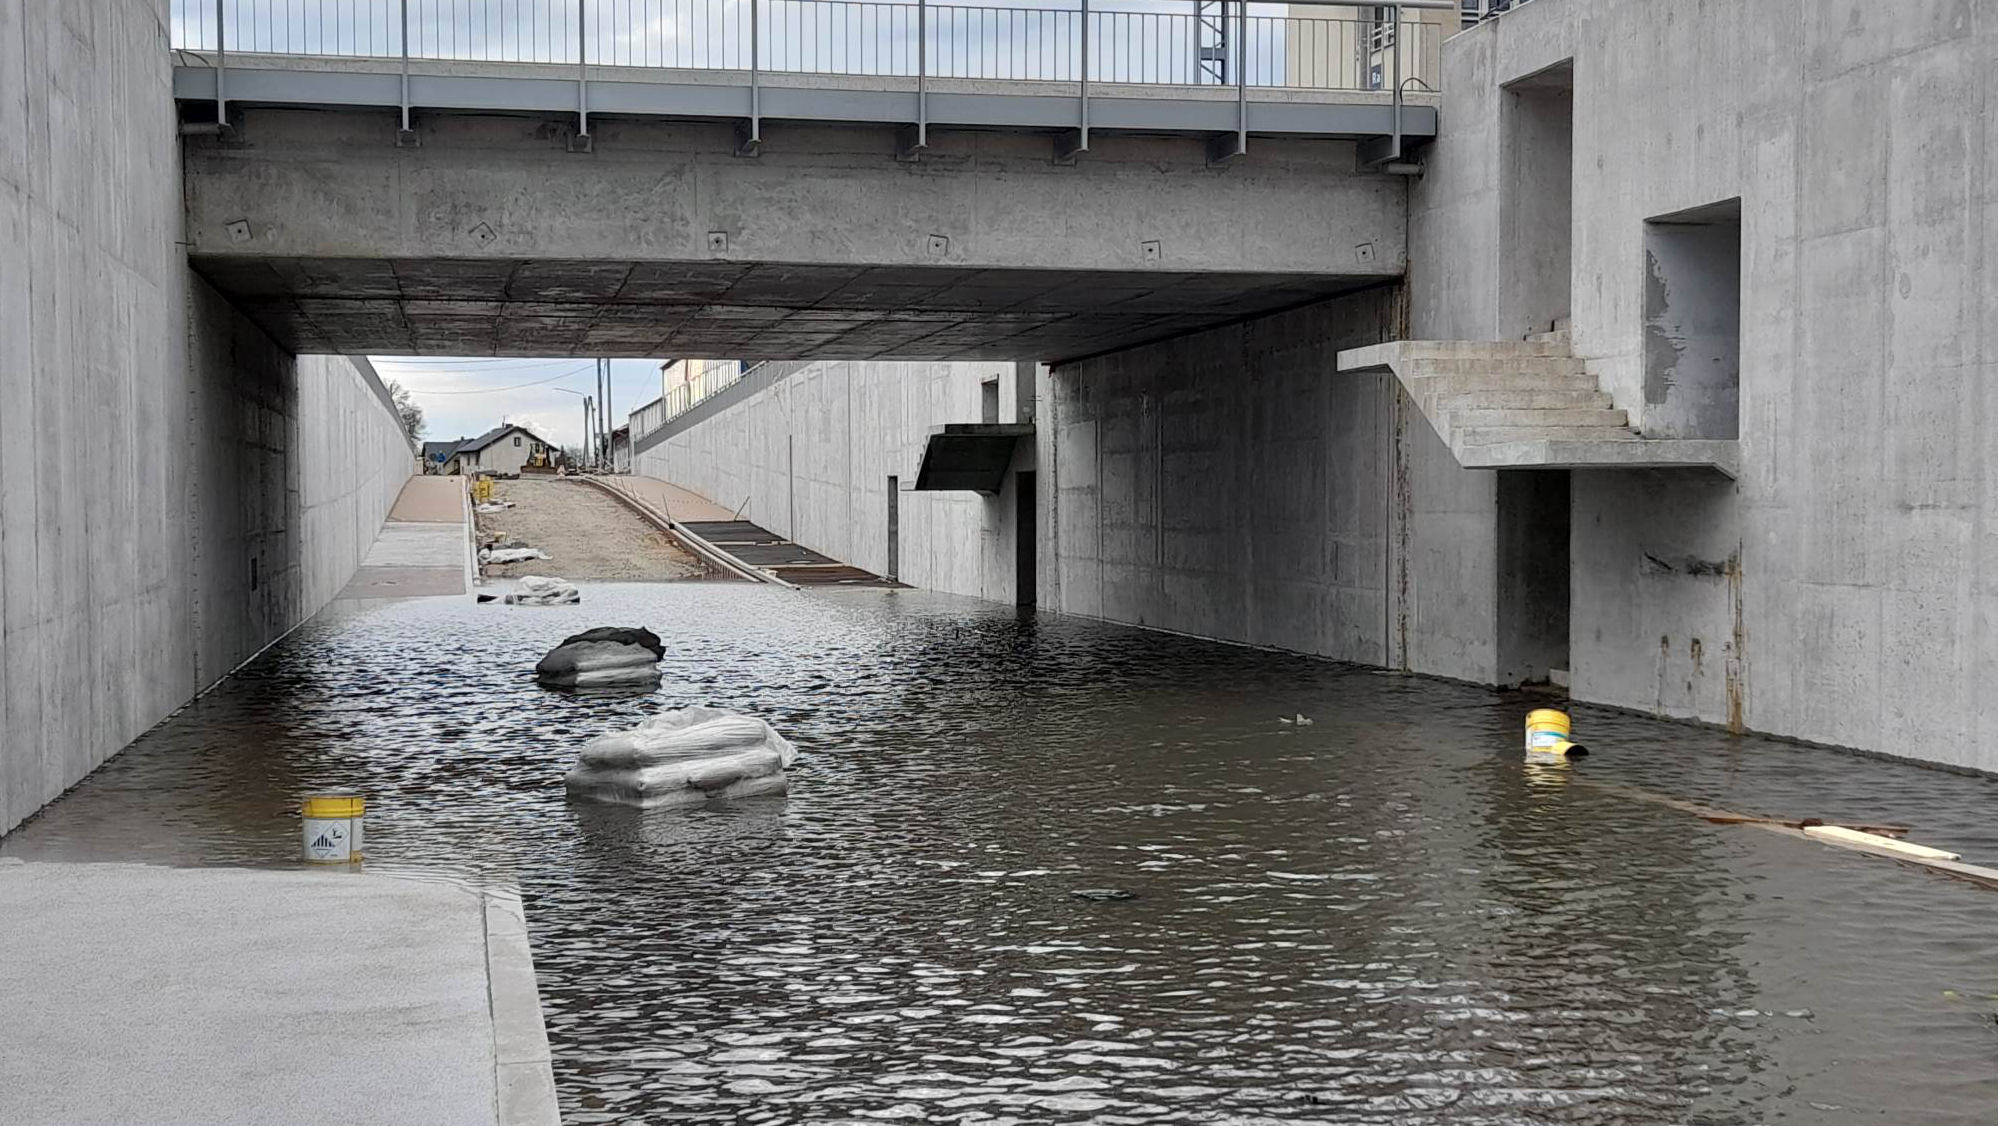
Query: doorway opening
{"points": [[1025, 538], [990, 400], [1533, 645], [1690, 339], [1536, 203]]}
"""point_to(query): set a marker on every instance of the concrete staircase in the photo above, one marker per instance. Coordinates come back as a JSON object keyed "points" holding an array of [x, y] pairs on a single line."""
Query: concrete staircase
{"points": [[1526, 404]]}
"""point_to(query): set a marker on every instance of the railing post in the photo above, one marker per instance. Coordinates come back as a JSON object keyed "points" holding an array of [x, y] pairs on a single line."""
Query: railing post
{"points": [[912, 138], [1243, 30], [1396, 83], [221, 50], [582, 141], [1074, 141], [1224, 146], [924, 110], [750, 134], [404, 136]]}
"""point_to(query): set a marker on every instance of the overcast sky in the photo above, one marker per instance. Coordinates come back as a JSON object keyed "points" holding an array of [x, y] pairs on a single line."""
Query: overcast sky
{"points": [[463, 398]]}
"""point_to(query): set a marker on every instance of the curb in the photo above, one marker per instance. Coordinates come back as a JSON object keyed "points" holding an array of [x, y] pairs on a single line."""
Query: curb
{"points": [[696, 545]]}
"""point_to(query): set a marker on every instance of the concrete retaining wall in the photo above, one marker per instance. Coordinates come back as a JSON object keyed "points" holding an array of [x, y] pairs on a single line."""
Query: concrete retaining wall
{"points": [[1843, 589], [1231, 484], [154, 446], [810, 455]]}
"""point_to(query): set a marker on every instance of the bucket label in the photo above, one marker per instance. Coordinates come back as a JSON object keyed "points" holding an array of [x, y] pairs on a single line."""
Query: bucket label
{"points": [[1544, 740], [328, 840]]}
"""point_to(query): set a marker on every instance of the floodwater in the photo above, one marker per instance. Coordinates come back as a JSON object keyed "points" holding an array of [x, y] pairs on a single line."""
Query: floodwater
{"points": [[1384, 916]]}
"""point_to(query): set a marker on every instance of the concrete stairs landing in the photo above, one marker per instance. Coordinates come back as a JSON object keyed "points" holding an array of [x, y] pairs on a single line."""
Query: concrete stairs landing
{"points": [[1527, 404]]}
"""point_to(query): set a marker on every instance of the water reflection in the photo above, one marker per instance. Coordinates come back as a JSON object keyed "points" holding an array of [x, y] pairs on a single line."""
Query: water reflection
{"points": [[1382, 916]]}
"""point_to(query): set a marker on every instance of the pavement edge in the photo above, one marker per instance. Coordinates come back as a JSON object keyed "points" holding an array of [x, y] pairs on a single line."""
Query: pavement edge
{"points": [[524, 1083]]}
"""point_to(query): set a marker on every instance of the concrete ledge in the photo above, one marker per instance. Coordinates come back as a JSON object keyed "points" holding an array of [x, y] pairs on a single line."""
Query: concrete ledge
{"points": [[1635, 453], [218, 996], [524, 1082]]}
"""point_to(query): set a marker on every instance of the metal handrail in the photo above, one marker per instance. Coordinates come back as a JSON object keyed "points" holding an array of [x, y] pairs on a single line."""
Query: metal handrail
{"points": [[1144, 42]]}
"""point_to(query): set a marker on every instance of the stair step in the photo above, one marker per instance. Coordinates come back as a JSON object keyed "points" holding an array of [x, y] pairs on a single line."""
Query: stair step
{"points": [[1490, 417], [1442, 386], [1493, 365], [1404, 351], [1498, 435], [1538, 399]]}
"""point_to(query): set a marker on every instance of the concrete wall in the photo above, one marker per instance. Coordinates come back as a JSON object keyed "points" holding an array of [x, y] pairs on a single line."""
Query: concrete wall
{"points": [[352, 462], [152, 443], [1843, 589], [1230, 484], [809, 455]]}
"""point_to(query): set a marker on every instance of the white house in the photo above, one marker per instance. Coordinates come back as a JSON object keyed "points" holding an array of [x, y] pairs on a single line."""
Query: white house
{"points": [[506, 449]]}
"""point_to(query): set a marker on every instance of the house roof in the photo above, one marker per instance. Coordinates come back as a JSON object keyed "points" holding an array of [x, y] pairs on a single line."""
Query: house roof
{"points": [[473, 445], [433, 449]]}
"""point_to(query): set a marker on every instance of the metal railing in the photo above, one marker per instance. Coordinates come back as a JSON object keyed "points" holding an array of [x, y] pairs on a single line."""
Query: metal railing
{"points": [[1151, 42]]}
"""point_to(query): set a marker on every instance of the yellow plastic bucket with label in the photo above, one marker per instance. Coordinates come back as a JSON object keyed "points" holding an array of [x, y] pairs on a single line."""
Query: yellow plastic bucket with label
{"points": [[1544, 729], [1546, 736], [331, 826]]}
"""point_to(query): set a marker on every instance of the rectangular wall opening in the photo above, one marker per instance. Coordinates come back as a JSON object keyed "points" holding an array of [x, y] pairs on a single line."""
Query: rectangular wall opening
{"points": [[890, 549], [1536, 203], [1533, 545], [1025, 538], [990, 400], [1690, 338]]}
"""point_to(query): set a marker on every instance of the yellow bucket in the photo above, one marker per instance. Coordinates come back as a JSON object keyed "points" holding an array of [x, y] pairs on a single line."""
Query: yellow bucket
{"points": [[331, 826], [1544, 729]]}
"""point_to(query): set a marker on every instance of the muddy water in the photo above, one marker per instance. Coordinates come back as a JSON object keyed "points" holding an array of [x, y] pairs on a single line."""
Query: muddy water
{"points": [[1383, 916]]}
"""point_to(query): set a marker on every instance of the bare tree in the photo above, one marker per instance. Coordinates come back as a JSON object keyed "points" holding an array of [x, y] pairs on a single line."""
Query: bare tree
{"points": [[406, 409]]}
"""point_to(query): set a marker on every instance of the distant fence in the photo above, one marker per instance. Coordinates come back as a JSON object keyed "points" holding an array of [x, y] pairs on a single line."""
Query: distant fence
{"points": [[1148, 42]]}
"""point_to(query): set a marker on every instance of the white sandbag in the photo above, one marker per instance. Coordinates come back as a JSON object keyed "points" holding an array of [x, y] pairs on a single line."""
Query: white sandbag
{"points": [[602, 657], [500, 555], [683, 756], [536, 590]]}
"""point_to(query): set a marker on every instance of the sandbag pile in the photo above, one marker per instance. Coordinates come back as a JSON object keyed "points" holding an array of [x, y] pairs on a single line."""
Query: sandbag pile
{"points": [[682, 757], [603, 657], [537, 590]]}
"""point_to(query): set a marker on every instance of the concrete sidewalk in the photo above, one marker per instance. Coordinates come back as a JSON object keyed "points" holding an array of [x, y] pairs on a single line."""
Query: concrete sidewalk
{"points": [[675, 502], [423, 548], [207, 997]]}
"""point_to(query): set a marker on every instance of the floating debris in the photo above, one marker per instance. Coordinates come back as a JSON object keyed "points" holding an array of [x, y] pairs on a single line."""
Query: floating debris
{"points": [[1101, 895]]}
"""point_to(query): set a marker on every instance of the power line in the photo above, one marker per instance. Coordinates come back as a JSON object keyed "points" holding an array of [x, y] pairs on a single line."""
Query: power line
{"points": [[445, 364], [516, 387]]}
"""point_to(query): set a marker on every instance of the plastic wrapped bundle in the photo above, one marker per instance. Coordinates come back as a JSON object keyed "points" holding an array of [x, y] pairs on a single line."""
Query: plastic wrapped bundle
{"points": [[536, 590], [683, 756], [499, 554], [603, 657]]}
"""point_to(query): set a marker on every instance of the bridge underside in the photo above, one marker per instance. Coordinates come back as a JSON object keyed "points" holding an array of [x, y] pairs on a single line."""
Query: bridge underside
{"points": [[543, 307]]}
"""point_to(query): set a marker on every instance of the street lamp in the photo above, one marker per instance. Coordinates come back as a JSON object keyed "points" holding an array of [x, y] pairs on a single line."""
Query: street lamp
{"points": [[587, 418]]}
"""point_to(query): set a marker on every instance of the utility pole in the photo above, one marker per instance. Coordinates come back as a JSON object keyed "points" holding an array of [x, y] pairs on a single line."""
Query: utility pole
{"points": [[585, 449]]}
